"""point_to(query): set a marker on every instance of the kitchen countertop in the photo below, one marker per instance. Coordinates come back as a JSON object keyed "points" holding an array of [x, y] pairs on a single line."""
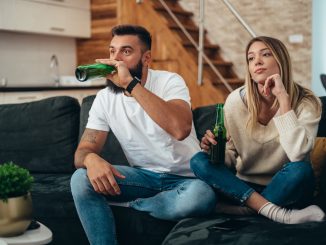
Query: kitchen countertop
{"points": [[48, 88]]}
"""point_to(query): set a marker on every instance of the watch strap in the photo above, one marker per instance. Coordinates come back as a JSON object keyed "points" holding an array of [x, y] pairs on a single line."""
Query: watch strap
{"points": [[132, 84]]}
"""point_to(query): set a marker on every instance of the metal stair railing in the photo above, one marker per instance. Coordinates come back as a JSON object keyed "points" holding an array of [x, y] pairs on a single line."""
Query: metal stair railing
{"points": [[239, 18], [200, 47]]}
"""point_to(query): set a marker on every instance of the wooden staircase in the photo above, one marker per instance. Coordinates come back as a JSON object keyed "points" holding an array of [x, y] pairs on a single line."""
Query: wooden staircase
{"points": [[104, 17], [171, 48], [211, 50]]}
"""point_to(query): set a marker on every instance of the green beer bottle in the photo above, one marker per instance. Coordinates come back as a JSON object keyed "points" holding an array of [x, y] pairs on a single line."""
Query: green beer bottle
{"points": [[86, 72], [219, 131]]}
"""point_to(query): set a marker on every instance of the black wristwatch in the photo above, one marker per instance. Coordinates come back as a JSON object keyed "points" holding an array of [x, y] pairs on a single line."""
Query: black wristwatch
{"points": [[132, 84]]}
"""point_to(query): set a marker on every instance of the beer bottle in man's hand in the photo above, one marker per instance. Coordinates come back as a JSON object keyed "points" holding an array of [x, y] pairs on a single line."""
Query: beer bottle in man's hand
{"points": [[219, 131], [86, 72]]}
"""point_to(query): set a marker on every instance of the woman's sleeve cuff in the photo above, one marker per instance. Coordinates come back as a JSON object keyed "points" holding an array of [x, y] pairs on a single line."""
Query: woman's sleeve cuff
{"points": [[286, 122]]}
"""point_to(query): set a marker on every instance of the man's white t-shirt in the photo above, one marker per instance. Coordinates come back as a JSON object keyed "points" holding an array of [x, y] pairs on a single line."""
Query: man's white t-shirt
{"points": [[145, 143]]}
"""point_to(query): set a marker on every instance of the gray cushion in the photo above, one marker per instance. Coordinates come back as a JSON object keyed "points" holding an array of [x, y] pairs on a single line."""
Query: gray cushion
{"points": [[40, 136], [322, 123], [204, 118], [253, 230]]}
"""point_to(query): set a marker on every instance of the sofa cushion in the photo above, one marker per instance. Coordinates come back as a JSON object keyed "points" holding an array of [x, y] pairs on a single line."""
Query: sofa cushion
{"points": [[318, 158], [322, 123], [136, 227], [204, 118], [53, 206], [255, 230], [112, 151], [52, 196], [40, 136]]}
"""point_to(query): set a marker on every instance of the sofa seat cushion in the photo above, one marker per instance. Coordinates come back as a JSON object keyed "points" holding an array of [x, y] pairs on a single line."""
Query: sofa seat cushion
{"points": [[52, 197], [255, 230], [318, 160], [136, 227], [52, 201], [41, 136]]}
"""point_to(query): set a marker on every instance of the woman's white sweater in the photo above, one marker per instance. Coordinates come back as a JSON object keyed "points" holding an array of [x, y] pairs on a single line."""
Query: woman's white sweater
{"points": [[286, 138]]}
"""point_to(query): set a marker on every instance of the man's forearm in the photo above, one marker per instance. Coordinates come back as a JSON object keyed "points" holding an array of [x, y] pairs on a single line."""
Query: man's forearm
{"points": [[174, 118], [91, 142], [80, 157]]}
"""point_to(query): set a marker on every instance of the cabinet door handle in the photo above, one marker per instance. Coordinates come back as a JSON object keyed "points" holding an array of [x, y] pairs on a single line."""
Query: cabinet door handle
{"points": [[60, 29], [58, 0]]}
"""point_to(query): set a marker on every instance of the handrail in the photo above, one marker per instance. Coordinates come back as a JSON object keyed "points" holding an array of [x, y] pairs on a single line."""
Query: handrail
{"points": [[201, 41], [239, 18], [209, 62]]}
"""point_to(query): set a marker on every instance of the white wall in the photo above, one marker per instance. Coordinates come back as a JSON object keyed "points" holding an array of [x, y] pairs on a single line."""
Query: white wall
{"points": [[318, 45], [25, 58]]}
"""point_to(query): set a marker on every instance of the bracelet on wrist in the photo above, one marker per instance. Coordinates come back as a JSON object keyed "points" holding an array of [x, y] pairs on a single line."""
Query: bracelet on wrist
{"points": [[132, 84]]}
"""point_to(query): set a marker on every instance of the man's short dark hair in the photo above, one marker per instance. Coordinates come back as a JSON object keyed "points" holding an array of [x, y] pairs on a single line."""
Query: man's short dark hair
{"points": [[139, 31]]}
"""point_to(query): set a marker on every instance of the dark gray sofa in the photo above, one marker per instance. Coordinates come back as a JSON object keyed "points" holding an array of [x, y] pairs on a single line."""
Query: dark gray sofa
{"points": [[43, 135]]}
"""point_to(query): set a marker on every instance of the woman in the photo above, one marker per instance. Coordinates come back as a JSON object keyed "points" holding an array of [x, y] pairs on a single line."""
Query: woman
{"points": [[272, 123]]}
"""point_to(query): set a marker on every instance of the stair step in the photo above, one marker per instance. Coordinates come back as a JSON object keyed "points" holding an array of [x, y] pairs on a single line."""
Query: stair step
{"points": [[94, 2], [104, 10], [211, 50], [101, 33], [236, 81], [175, 10], [170, 3], [189, 28], [91, 43], [233, 82], [221, 63], [100, 23], [206, 45]]}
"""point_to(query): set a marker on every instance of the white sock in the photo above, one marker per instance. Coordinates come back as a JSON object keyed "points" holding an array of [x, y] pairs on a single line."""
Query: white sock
{"points": [[224, 208], [291, 216]]}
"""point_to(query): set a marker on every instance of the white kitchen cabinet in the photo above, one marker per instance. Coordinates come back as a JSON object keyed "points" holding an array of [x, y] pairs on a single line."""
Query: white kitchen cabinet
{"points": [[82, 4], [78, 94], [6, 10], [19, 97], [22, 97], [55, 17], [2, 98]]}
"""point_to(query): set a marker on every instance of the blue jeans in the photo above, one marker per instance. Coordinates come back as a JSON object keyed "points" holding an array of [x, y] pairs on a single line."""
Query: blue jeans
{"points": [[164, 196], [292, 186]]}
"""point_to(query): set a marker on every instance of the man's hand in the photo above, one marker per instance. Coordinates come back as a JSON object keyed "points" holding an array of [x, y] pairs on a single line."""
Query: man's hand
{"points": [[121, 78], [102, 175], [207, 141]]}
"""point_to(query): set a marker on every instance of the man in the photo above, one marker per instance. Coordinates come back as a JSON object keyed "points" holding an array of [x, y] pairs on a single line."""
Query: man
{"points": [[149, 112]]}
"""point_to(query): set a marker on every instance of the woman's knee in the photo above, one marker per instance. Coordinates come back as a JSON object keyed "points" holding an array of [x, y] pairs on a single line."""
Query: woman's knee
{"points": [[199, 200], [206, 198], [199, 164], [300, 172]]}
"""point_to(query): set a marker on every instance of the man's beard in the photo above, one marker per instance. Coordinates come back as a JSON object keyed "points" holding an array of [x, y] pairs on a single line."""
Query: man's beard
{"points": [[134, 72]]}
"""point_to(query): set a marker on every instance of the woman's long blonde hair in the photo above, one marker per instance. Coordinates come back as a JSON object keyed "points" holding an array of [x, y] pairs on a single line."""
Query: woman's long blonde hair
{"points": [[296, 92]]}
